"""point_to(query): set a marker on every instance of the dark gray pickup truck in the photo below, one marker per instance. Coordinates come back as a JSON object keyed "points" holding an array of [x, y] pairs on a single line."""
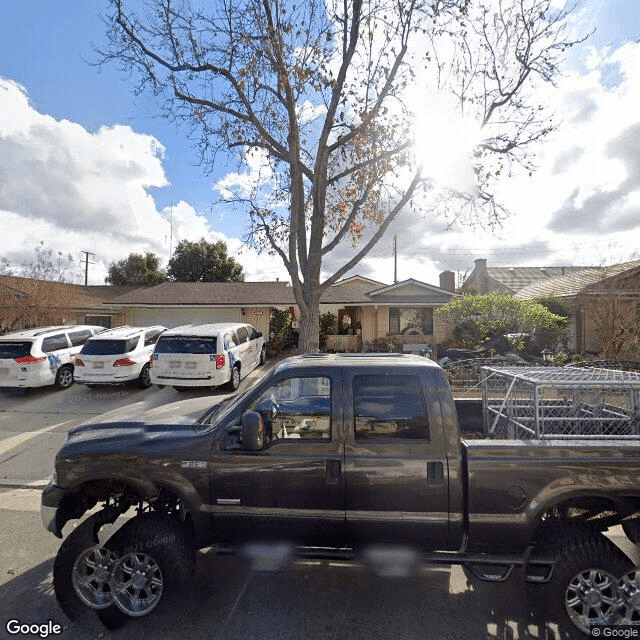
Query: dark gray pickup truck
{"points": [[350, 456]]}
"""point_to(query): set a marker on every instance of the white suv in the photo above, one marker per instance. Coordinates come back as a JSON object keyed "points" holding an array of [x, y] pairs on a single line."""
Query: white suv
{"points": [[207, 355], [118, 355], [43, 356]]}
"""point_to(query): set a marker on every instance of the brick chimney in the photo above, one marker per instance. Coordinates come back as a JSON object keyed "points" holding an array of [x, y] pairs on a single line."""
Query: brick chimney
{"points": [[448, 281], [481, 275]]}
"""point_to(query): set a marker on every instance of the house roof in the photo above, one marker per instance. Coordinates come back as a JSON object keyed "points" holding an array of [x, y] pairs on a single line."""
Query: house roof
{"points": [[575, 283], [210, 293], [516, 278], [68, 294], [246, 294]]}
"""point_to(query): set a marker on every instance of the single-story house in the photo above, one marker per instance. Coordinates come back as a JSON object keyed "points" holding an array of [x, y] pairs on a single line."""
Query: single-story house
{"points": [[604, 301], [28, 302], [365, 309]]}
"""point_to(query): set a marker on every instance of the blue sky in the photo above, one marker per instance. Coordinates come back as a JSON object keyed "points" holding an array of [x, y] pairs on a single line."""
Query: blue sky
{"points": [[57, 109]]}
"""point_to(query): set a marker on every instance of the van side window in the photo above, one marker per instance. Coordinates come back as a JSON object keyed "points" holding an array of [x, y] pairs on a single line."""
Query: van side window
{"points": [[389, 408], [55, 343], [243, 336], [151, 337], [78, 338], [253, 334], [230, 340]]}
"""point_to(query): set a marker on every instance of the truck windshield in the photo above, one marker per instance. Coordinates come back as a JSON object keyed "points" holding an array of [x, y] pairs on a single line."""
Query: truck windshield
{"points": [[186, 344]]}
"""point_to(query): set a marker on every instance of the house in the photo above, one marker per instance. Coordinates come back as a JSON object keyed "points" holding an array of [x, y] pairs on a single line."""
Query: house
{"points": [[28, 302], [360, 304], [604, 302]]}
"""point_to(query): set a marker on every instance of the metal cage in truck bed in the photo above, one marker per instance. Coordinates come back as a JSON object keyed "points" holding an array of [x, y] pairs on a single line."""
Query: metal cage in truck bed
{"points": [[560, 403]]}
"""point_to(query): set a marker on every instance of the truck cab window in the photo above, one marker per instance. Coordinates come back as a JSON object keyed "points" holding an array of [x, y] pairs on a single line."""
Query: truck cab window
{"points": [[297, 409], [389, 407]]}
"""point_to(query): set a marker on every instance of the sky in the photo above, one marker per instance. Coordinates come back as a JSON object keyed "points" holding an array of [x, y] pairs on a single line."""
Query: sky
{"points": [[87, 166]]}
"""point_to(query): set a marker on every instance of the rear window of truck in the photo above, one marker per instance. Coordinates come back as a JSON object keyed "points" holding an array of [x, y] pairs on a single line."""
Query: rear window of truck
{"points": [[185, 344], [389, 408], [13, 350]]}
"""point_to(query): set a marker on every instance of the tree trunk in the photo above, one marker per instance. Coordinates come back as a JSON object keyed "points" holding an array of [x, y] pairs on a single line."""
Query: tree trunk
{"points": [[309, 304]]}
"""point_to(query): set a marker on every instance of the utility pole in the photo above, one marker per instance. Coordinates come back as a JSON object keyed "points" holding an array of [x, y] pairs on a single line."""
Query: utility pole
{"points": [[395, 259], [86, 265]]}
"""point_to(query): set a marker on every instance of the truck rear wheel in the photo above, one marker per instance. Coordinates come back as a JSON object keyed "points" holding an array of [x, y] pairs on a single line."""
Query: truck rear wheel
{"points": [[584, 587], [155, 557]]}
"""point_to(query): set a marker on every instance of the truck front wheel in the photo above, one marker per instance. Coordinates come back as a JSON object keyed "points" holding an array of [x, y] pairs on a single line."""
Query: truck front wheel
{"points": [[155, 557], [583, 590]]}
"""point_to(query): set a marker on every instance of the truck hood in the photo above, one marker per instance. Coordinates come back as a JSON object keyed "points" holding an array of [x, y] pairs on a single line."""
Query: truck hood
{"points": [[135, 421]]}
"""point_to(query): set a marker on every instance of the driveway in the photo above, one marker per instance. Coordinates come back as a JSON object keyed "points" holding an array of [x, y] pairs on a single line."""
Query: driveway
{"points": [[33, 423]]}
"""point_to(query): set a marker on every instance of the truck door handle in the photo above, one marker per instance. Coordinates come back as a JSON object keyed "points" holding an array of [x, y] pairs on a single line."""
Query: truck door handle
{"points": [[435, 473], [333, 472]]}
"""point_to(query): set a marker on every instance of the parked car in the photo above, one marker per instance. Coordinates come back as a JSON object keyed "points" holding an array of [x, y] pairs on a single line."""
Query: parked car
{"points": [[42, 356], [207, 355], [119, 355]]}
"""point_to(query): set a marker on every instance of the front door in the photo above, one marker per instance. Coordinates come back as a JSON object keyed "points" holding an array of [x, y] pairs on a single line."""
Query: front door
{"points": [[293, 489]]}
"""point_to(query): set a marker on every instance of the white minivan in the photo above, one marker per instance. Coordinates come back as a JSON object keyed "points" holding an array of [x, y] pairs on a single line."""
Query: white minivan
{"points": [[207, 355], [43, 356]]}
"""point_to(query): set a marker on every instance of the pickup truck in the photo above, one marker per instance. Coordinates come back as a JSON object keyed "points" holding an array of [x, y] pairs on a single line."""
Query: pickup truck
{"points": [[348, 456]]}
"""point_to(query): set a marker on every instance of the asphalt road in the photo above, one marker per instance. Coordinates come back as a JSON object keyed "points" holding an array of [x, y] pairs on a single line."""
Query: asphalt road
{"points": [[309, 600]]}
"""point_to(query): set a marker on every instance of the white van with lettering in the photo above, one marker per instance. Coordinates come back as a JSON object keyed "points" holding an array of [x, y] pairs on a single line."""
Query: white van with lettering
{"points": [[207, 355]]}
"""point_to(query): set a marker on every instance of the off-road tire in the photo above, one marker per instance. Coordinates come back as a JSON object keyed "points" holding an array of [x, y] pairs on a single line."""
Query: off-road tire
{"points": [[81, 538], [168, 542], [632, 530], [583, 588]]}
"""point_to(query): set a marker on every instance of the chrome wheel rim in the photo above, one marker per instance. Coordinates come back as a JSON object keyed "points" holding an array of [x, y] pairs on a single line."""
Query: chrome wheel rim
{"points": [[145, 376], [137, 584], [236, 377], [65, 378], [91, 575], [592, 597], [629, 587]]}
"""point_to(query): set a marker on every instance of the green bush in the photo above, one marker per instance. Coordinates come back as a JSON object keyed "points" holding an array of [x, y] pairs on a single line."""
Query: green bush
{"points": [[279, 323]]}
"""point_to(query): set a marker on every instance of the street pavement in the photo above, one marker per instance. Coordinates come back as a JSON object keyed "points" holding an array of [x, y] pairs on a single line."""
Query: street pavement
{"points": [[226, 600]]}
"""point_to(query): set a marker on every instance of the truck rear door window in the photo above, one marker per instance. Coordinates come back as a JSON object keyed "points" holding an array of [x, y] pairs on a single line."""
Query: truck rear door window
{"points": [[388, 408]]}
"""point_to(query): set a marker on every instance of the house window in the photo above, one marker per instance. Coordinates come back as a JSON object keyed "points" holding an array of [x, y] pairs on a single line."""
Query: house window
{"points": [[411, 320]]}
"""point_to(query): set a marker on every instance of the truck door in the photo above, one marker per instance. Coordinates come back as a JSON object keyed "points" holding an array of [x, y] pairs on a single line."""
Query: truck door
{"points": [[293, 489], [395, 461]]}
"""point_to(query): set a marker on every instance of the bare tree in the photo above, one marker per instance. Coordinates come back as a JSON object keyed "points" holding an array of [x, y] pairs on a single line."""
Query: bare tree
{"points": [[314, 96]]}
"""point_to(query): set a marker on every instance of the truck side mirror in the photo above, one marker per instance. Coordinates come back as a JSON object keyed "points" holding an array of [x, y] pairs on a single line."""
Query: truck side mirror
{"points": [[253, 432]]}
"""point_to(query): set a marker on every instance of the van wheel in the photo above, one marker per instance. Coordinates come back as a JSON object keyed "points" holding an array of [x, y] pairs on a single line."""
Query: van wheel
{"points": [[144, 379], [64, 377], [263, 355], [234, 383]]}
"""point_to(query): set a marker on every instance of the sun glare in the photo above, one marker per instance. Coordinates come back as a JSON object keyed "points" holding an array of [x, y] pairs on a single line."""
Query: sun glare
{"points": [[444, 142]]}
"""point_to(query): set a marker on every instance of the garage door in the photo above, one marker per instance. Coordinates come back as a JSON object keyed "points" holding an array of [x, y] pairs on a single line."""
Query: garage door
{"points": [[175, 317]]}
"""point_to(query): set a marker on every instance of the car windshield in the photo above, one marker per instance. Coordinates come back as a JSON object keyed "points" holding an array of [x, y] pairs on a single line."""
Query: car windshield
{"points": [[12, 350], [186, 344], [108, 347]]}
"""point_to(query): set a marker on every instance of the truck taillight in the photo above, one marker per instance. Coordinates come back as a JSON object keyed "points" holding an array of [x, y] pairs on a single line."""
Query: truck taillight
{"points": [[123, 362], [30, 359], [220, 361], [79, 362]]}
